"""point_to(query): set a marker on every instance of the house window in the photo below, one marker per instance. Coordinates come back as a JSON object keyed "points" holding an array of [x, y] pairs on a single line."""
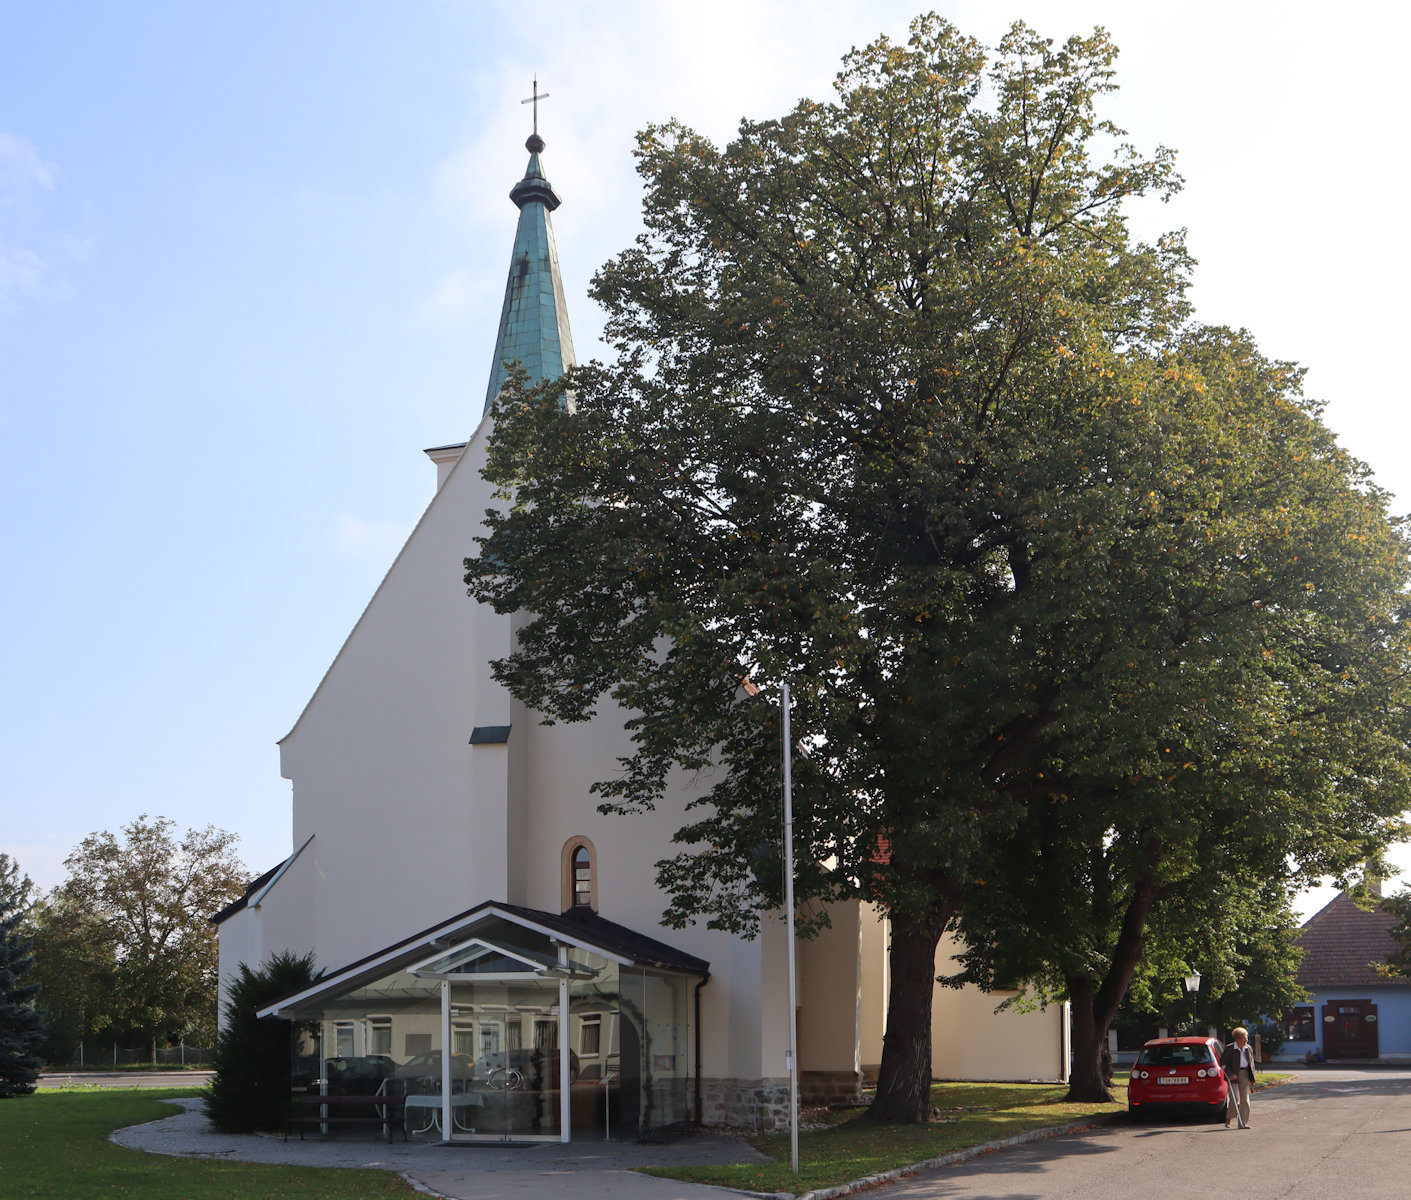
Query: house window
{"points": [[343, 1039], [1298, 1023], [463, 1039], [590, 1037], [580, 885], [379, 1036]]}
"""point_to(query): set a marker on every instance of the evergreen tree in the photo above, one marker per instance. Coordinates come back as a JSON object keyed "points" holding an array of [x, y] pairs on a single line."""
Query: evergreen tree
{"points": [[21, 1024], [253, 1057]]}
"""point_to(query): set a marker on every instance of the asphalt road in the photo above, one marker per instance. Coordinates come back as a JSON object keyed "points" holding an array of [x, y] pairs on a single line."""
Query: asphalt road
{"points": [[125, 1079], [1326, 1135]]}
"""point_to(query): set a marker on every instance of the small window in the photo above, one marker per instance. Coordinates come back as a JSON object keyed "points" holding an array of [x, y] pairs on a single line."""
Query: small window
{"points": [[582, 878], [579, 866], [590, 1037], [343, 1039], [379, 1036], [1298, 1023]]}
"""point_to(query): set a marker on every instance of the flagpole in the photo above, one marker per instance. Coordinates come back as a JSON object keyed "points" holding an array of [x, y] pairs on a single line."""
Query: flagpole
{"points": [[789, 915]]}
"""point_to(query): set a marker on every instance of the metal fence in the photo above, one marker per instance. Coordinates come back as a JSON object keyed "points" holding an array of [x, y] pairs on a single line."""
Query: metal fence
{"points": [[95, 1056]]}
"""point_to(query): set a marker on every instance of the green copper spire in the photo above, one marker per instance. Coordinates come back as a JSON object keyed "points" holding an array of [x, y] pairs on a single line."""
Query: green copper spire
{"points": [[534, 321]]}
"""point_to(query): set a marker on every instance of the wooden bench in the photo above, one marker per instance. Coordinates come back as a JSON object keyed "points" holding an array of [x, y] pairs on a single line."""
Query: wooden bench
{"points": [[326, 1113]]}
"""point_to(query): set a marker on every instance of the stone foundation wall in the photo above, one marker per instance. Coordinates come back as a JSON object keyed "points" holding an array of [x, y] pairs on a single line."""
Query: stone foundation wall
{"points": [[751, 1104], [763, 1104], [830, 1087]]}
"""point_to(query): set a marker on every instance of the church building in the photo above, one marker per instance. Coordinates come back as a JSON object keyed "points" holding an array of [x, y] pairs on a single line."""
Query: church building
{"points": [[490, 943]]}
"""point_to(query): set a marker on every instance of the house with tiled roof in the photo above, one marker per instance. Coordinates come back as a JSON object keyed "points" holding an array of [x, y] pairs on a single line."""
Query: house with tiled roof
{"points": [[1353, 1011]]}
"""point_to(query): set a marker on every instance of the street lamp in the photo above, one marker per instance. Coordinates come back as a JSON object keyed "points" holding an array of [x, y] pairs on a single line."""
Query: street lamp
{"points": [[1192, 988]]}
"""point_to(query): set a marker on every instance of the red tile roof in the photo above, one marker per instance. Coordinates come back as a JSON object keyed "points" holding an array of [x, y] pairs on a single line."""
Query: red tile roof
{"points": [[1341, 942]]}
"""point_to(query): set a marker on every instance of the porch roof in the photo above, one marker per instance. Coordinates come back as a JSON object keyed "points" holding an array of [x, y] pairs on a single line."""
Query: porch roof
{"points": [[584, 929]]}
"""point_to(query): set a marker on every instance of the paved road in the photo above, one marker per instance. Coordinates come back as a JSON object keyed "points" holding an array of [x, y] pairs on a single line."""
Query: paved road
{"points": [[1327, 1135], [126, 1079]]}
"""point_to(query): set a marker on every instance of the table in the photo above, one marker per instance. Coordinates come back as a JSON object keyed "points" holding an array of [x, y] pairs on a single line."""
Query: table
{"points": [[433, 1104]]}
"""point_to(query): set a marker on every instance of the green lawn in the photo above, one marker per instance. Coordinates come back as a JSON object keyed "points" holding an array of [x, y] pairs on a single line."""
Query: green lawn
{"points": [[970, 1115], [55, 1144]]}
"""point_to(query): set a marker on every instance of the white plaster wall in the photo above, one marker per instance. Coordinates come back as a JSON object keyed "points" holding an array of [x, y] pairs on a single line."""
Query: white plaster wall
{"points": [[873, 986], [969, 1040], [380, 762], [830, 993], [560, 763]]}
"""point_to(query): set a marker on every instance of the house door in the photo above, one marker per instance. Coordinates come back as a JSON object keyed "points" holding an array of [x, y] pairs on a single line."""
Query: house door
{"points": [[1350, 1029]]}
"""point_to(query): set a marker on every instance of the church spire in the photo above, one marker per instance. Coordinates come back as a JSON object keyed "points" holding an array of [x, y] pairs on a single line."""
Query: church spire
{"points": [[534, 321]]}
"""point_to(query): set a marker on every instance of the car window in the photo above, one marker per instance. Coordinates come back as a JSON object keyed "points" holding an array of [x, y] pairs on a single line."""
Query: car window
{"points": [[1175, 1056]]}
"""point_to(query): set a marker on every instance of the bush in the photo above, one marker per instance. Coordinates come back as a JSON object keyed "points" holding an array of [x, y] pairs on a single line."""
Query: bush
{"points": [[253, 1056]]}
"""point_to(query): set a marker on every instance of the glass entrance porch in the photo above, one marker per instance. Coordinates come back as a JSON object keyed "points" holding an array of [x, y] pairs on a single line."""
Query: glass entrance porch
{"points": [[507, 1033]]}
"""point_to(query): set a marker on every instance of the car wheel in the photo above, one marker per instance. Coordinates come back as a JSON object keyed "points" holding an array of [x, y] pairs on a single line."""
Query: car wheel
{"points": [[1217, 1112], [1134, 1115]]}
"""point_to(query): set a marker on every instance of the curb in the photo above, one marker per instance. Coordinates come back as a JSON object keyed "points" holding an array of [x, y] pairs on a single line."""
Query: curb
{"points": [[946, 1160]]}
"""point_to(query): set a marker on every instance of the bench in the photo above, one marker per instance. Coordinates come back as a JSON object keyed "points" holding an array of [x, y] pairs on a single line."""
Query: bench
{"points": [[326, 1113]]}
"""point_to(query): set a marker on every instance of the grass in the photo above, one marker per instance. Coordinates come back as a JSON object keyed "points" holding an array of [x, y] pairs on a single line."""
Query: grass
{"points": [[850, 1148], [54, 1144]]}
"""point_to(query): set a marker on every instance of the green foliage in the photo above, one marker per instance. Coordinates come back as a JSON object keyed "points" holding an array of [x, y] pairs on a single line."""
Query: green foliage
{"points": [[124, 945], [1241, 943], [1082, 606], [56, 1145], [21, 1023], [253, 1057], [1398, 963]]}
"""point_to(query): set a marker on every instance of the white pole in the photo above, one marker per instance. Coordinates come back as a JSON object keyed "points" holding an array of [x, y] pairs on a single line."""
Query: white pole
{"points": [[446, 1113], [789, 915], [565, 1096]]}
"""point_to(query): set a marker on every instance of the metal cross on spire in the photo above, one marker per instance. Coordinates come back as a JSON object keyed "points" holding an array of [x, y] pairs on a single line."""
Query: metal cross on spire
{"points": [[534, 100]]}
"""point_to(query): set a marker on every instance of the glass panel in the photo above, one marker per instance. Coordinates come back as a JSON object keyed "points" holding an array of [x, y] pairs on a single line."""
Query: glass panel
{"points": [[593, 1015], [509, 1091], [665, 1054]]}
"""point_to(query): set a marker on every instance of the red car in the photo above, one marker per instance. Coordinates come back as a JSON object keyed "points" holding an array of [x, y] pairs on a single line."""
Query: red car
{"points": [[1178, 1075]]}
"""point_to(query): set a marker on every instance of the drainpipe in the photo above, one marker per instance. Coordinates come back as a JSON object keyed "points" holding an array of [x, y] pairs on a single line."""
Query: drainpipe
{"points": [[700, 1112]]}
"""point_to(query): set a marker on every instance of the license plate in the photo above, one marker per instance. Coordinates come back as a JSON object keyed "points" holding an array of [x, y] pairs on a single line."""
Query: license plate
{"points": [[1174, 1079]]}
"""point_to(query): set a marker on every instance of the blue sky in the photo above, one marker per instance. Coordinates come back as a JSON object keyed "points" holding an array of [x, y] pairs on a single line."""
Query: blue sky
{"points": [[251, 262]]}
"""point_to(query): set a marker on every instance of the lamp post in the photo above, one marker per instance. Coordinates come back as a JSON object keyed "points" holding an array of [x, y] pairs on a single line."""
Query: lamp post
{"points": [[1193, 989]]}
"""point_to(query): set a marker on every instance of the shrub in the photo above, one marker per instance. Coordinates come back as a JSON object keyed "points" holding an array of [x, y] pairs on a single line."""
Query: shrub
{"points": [[253, 1055]]}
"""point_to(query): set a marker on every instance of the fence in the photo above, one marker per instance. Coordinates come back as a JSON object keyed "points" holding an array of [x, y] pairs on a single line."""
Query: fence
{"points": [[95, 1057]]}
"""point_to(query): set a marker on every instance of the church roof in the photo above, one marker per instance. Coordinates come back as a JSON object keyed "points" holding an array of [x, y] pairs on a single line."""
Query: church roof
{"points": [[534, 328], [1340, 944]]}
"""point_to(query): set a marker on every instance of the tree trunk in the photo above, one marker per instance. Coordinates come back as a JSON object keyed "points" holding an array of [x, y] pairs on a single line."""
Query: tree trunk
{"points": [[1094, 1008], [1086, 1083], [904, 1079]]}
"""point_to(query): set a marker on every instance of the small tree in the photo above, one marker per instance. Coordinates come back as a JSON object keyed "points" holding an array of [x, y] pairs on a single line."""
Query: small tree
{"points": [[21, 1024], [253, 1055]]}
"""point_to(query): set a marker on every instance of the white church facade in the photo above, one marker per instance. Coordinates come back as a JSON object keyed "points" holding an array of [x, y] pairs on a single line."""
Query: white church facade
{"points": [[491, 943]]}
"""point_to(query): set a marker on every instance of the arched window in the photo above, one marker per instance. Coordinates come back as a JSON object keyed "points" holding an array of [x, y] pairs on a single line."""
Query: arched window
{"points": [[582, 878], [580, 884]]}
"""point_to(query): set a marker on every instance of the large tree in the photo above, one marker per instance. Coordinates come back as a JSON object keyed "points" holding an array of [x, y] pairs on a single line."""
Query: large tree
{"points": [[138, 908], [903, 414], [21, 1023]]}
